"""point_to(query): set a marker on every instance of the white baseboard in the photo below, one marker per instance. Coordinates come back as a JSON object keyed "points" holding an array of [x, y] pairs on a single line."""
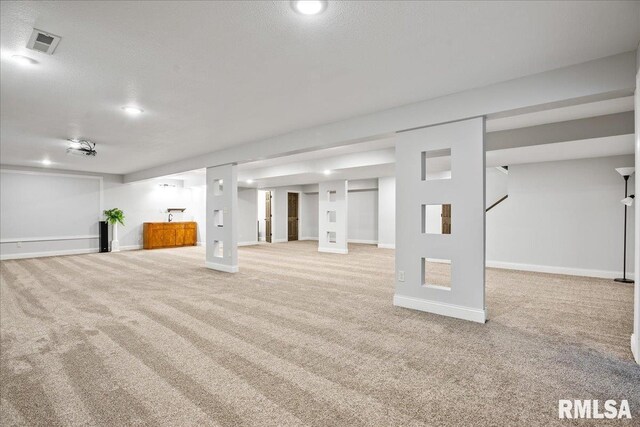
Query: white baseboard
{"points": [[255, 242], [603, 274], [459, 312], [308, 238], [130, 248], [221, 267], [63, 252], [4, 257], [333, 250], [634, 348], [279, 240], [364, 242], [201, 244], [387, 245]]}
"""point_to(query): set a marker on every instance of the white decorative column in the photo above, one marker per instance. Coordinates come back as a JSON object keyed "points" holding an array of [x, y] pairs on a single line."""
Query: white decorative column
{"points": [[416, 194], [115, 244], [222, 218], [332, 219]]}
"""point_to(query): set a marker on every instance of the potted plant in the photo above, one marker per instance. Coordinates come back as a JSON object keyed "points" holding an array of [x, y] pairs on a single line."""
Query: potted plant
{"points": [[114, 216]]}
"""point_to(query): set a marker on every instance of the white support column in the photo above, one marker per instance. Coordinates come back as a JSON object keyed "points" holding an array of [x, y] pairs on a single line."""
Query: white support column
{"points": [[332, 219], [222, 218], [635, 337], [387, 212], [465, 246]]}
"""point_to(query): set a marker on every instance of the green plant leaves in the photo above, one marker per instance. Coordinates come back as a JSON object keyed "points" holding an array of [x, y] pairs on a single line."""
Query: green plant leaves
{"points": [[114, 216]]}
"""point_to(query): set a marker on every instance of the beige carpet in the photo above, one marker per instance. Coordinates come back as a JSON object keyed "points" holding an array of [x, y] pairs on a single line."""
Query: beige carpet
{"points": [[297, 338]]}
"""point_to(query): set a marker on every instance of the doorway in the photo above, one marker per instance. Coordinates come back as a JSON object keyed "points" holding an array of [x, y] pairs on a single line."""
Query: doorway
{"points": [[292, 216], [446, 219], [267, 216]]}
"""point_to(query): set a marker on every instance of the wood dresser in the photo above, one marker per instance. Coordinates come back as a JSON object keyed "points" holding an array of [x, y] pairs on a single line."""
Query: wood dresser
{"points": [[169, 234]]}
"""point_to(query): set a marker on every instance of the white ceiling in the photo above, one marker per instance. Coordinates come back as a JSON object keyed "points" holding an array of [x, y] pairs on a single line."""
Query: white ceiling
{"points": [[214, 74]]}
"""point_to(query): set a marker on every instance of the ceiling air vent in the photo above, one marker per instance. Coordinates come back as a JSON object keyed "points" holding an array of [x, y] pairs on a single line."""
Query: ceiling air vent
{"points": [[43, 42]]}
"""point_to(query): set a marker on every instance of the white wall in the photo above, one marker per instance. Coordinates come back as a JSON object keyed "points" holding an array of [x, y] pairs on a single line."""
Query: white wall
{"points": [[261, 214], [141, 202], [563, 216], [387, 212], [309, 216], [248, 216], [497, 186], [363, 216]]}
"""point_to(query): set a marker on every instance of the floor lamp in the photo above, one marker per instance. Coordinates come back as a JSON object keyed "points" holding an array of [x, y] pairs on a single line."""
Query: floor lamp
{"points": [[627, 201]]}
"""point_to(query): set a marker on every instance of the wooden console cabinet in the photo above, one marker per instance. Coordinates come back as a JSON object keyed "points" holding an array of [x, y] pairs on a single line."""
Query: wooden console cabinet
{"points": [[169, 234]]}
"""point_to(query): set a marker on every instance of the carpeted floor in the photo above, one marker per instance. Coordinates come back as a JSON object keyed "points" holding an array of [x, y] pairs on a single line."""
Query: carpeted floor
{"points": [[297, 338]]}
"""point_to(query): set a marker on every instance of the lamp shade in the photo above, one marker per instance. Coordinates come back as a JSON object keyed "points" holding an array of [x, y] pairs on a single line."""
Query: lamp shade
{"points": [[625, 171], [627, 201]]}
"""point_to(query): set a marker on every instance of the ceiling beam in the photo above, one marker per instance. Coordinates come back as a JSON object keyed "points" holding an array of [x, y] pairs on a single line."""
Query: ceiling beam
{"points": [[571, 130], [612, 76]]}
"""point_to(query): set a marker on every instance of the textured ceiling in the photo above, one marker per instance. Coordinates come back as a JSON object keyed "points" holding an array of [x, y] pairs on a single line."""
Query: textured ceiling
{"points": [[214, 74]]}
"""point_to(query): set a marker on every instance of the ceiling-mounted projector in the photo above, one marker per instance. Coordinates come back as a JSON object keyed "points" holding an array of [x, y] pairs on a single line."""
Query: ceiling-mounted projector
{"points": [[81, 147]]}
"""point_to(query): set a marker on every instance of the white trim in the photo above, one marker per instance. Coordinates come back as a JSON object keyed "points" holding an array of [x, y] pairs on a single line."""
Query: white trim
{"points": [[131, 247], [255, 242], [333, 251], [4, 257], [309, 238], [386, 245], [459, 312], [582, 272], [47, 239], [439, 260], [221, 267], [279, 240], [363, 241], [634, 346]]}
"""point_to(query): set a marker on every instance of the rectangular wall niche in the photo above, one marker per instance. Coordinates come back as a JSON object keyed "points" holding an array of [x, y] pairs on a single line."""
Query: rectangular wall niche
{"points": [[436, 273], [218, 218], [436, 164], [331, 196], [331, 216], [218, 187], [436, 219], [331, 237], [218, 249]]}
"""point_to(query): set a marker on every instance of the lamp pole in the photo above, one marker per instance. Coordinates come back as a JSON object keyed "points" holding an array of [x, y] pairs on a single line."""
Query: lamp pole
{"points": [[624, 252]]}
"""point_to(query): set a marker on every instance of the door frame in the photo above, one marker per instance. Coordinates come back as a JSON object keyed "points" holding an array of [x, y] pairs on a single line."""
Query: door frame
{"points": [[299, 209]]}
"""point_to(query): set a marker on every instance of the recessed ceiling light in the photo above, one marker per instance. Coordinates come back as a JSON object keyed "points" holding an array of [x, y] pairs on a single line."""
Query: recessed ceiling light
{"points": [[134, 111], [24, 60], [327, 172], [249, 181], [46, 162], [309, 7]]}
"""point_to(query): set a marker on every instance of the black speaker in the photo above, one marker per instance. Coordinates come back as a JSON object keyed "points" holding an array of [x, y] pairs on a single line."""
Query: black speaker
{"points": [[104, 236]]}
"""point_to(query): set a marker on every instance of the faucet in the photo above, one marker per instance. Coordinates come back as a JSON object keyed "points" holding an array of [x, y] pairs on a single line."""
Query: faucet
{"points": [[170, 217]]}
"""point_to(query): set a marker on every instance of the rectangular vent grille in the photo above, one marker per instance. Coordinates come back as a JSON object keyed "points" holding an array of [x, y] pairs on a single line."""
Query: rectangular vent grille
{"points": [[42, 41]]}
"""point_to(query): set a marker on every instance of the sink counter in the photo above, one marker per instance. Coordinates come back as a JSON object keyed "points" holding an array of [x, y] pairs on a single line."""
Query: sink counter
{"points": [[169, 234]]}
